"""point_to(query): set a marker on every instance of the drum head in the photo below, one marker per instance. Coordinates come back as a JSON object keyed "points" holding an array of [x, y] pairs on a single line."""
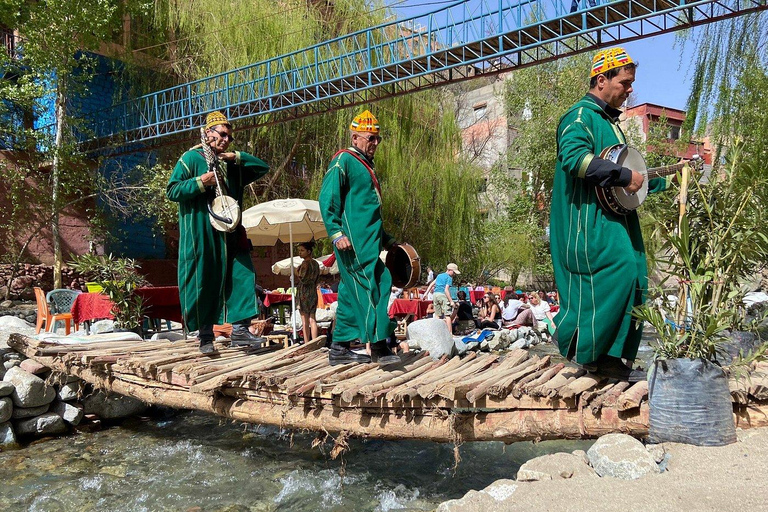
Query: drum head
{"points": [[225, 207], [404, 265], [632, 159]]}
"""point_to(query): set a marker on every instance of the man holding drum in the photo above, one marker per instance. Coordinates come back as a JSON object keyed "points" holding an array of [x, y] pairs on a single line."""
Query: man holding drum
{"points": [[598, 257], [216, 277], [350, 200]]}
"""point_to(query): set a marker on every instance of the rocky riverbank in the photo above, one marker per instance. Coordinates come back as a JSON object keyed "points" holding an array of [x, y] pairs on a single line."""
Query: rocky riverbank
{"points": [[620, 473], [34, 402]]}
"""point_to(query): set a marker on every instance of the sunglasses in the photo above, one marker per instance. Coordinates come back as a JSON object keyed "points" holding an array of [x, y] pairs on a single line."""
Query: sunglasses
{"points": [[225, 136], [371, 138]]}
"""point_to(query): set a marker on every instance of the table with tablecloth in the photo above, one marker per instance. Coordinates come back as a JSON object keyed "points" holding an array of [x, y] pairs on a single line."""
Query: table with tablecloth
{"points": [[402, 307], [159, 302]]}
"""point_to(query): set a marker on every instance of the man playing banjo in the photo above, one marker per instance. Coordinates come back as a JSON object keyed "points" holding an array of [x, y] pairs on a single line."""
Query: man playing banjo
{"points": [[216, 277], [598, 257]]}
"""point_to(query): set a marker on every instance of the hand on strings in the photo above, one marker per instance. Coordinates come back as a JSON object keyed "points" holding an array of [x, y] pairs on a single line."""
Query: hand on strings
{"points": [[229, 156], [635, 183], [208, 179]]}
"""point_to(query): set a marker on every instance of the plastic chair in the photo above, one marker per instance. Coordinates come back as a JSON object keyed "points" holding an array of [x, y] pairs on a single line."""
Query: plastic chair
{"points": [[58, 313], [454, 290], [94, 287], [320, 301], [465, 289]]}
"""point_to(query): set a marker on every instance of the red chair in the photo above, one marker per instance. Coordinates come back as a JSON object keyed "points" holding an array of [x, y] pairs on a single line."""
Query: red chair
{"points": [[44, 315]]}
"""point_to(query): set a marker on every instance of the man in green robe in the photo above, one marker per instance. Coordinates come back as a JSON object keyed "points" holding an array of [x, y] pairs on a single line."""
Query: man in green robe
{"points": [[216, 277], [598, 257], [350, 201]]}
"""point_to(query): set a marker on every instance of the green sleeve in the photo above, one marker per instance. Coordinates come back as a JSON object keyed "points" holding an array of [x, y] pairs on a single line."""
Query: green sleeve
{"points": [[575, 143], [251, 167], [659, 184], [331, 201], [184, 184]]}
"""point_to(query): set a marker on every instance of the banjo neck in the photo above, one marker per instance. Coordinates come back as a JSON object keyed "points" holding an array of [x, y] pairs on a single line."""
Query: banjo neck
{"points": [[658, 172]]}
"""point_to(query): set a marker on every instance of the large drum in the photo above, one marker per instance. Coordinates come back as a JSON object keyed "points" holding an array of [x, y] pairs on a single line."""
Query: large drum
{"points": [[404, 264]]}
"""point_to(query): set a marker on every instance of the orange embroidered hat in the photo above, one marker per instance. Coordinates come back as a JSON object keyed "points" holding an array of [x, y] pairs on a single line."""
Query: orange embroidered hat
{"points": [[365, 122], [216, 118], [609, 59]]}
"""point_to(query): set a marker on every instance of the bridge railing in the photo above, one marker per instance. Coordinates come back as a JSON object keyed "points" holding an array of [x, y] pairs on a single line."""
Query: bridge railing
{"points": [[270, 82]]}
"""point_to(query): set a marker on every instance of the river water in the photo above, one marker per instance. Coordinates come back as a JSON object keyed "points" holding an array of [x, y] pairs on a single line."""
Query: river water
{"points": [[191, 461]]}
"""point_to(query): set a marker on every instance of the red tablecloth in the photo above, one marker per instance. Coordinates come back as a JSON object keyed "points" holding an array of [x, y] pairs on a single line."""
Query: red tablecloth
{"points": [[330, 297], [277, 298], [91, 306], [160, 302], [404, 306], [475, 295]]}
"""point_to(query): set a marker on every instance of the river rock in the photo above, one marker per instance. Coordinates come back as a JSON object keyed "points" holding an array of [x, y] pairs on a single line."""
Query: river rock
{"points": [[170, 335], [71, 414], [431, 334], [501, 341], [7, 435], [112, 406], [6, 388], [621, 456], [557, 466], [103, 326], [6, 409], [33, 367], [657, 451], [14, 324], [11, 363], [12, 355], [30, 390], [70, 391], [29, 412], [490, 498], [48, 423]]}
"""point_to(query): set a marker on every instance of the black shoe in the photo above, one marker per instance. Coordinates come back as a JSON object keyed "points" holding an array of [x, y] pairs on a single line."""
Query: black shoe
{"points": [[381, 353], [613, 368], [242, 337], [340, 354], [206, 347]]}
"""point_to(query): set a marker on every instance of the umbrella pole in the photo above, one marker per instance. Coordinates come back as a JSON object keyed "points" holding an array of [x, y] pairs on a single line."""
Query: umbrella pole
{"points": [[293, 286]]}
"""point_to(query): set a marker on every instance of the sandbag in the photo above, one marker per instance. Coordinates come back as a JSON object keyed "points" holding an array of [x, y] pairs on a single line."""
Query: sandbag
{"points": [[690, 403]]}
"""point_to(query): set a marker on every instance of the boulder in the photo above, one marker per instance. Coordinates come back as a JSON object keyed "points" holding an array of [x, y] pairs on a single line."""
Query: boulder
{"points": [[48, 423], [14, 324], [70, 413], [557, 466], [621, 456], [30, 390], [6, 409], [33, 367], [112, 406], [431, 334], [6, 388], [6, 304], [501, 340], [7, 436], [11, 363], [70, 391], [167, 335], [29, 412], [103, 326], [492, 497]]}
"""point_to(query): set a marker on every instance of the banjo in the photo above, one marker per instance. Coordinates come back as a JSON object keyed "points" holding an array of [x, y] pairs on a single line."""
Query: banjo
{"points": [[618, 201]]}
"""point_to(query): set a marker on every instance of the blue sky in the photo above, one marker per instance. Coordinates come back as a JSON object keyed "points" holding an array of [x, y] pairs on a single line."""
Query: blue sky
{"points": [[664, 74]]}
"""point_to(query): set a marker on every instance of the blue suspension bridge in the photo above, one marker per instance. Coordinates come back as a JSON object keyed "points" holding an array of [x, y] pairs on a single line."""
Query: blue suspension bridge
{"points": [[448, 45]]}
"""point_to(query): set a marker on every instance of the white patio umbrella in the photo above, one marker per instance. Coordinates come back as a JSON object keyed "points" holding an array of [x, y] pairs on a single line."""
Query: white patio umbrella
{"points": [[286, 220], [283, 267]]}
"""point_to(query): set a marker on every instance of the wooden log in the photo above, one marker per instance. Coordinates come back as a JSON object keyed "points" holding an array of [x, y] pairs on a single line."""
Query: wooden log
{"points": [[481, 390], [503, 387], [331, 382], [544, 377], [479, 364], [407, 391], [379, 380], [632, 397], [541, 367], [563, 378], [580, 385], [372, 391], [459, 389]]}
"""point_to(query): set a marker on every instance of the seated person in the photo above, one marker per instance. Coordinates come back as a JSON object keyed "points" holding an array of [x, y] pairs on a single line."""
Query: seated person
{"points": [[462, 318], [541, 312], [516, 312], [490, 313]]}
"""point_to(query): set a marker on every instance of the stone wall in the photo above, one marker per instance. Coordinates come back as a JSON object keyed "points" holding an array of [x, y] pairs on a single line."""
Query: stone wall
{"points": [[28, 276]]}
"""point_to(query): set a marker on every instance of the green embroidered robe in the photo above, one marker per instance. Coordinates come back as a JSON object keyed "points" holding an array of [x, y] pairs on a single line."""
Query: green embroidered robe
{"points": [[598, 258], [216, 277], [351, 206]]}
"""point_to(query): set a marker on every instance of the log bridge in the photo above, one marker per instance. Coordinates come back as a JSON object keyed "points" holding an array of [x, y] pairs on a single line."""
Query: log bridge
{"points": [[516, 396]]}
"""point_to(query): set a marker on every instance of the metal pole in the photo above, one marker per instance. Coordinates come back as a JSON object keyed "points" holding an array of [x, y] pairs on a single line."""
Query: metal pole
{"points": [[293, 287]]}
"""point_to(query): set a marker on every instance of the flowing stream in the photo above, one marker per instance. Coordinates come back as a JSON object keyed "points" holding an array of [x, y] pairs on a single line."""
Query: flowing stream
{"points": [[192, 461]]}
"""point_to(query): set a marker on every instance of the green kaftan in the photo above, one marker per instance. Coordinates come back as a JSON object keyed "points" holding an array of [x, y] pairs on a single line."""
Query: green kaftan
{"points": [[216, 277], [351, 206], [598, 258]]}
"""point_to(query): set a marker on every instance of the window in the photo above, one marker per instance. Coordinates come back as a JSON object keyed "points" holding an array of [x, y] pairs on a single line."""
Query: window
{"points": [[674, 132], [479, 111]]}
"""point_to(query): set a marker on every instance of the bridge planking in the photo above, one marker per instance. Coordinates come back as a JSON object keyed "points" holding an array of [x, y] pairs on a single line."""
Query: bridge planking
{"points": [[480, 397]]}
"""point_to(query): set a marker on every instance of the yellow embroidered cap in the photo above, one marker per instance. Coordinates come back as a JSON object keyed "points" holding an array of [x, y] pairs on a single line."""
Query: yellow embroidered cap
{"points": [[216, 118], [609, 59], [365, 122]]}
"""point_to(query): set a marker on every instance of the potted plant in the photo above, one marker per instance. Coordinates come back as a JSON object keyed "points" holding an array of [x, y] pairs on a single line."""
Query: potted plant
{"points": [[119, 278], [718, 241]]}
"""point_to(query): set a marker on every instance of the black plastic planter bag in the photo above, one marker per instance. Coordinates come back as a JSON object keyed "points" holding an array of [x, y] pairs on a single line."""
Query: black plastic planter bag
{"points": [[690, 403]]}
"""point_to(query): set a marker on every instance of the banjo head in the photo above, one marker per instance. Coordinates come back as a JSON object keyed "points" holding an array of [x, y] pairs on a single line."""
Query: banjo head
{"points": [[225, 207], [632, 159]]}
